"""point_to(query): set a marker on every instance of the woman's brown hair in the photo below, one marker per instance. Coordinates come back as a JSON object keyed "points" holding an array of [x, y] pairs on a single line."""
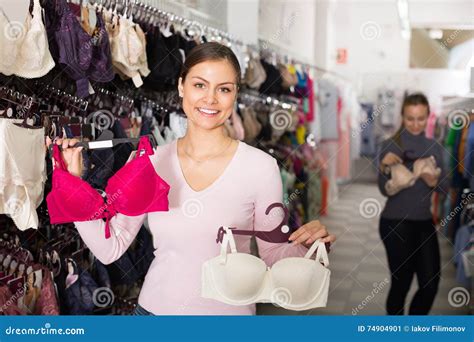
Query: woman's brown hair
{"points": [[211, 51], [410, 100]]}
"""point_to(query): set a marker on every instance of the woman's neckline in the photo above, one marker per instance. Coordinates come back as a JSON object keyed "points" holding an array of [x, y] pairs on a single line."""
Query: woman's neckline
{"points": [[217, 180]]}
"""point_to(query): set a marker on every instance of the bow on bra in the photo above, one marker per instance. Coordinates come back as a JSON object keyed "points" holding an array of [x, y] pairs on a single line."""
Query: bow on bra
{"points": [[134, 190], [293, 283]]}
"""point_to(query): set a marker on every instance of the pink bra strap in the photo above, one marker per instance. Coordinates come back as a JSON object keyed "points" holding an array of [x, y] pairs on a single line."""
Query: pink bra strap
{"points": [[58, 158], [145, 144]]}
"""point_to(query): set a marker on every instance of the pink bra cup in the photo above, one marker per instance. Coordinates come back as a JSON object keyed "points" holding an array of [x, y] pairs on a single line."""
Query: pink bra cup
{"points": [[294, 283], [71, 198], [142, 188], [134, 190]]}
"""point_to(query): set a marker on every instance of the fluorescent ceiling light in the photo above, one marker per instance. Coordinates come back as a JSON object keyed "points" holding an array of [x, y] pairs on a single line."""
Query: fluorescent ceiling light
{"points": [[435, 33]]}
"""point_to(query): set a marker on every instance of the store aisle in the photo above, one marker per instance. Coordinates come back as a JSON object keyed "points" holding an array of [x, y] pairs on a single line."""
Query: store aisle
{"points": [[360, 275]]}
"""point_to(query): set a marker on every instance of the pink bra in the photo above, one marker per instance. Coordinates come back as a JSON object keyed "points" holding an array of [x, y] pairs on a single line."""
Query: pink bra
{"points": [[134, 190]]}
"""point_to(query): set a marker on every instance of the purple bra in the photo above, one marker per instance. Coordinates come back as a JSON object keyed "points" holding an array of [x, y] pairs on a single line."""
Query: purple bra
{"points": [[84, 57]]}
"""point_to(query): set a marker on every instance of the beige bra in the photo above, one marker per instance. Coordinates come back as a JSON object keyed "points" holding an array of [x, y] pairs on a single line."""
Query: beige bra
{"points": [[128, 48], [294, 283], [402, 178]]}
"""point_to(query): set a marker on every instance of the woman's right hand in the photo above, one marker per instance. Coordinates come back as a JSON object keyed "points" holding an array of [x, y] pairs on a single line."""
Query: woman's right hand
{"points": [[389, 160], [72, 156]]}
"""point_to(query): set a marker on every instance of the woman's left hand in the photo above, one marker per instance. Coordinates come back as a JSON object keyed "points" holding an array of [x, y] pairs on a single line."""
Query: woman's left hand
{"points": [[310, 232]]}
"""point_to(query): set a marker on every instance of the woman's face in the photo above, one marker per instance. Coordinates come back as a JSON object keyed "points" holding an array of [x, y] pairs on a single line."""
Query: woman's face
{"points": [[209, 92], [415, 118]]}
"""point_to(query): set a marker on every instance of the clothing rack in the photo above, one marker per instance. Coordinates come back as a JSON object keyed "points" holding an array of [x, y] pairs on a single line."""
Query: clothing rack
{"points": [[264, 99], [286, 59], [124, 99], [153, 103], [14, 94], [137, 7], [77, 102]]}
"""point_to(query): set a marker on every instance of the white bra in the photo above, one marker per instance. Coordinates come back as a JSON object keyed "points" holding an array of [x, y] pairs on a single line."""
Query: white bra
{"points": [[294, 283], [24, 47]]}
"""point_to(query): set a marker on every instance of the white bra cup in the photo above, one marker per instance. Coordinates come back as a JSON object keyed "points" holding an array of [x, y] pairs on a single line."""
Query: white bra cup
{"points": [[295, 283], [239, 279], [299, 281]]}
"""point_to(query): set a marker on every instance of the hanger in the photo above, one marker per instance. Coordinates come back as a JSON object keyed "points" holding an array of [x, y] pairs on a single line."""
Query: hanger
{"points": [[279, 234]]}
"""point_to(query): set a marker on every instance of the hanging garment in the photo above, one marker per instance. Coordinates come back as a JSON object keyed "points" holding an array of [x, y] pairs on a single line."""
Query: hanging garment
{"points": [[272, 84], [237, 125], [84, 57], [289, 79], [310, 114], [242, 279], [178, 124], [387, 107], [255, 74], [328, 97], [128, 48], [469, 153], [252, 126], [46, 303], [164, 59], [301, 88], [134, 190], [80, 290], [22, 173], [25, 53], [367, 133]]}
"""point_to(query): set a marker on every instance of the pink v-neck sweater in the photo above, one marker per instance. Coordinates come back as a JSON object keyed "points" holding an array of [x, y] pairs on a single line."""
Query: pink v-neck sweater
{"points": [[185, 236]]}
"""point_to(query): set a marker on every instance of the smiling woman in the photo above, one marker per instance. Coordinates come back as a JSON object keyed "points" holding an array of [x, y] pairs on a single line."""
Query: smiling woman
{"points": [[214, 181]]}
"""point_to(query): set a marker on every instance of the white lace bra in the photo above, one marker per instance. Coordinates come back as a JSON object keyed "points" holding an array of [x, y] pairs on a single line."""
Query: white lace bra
{"points": [[294, 283], [24, 46]]}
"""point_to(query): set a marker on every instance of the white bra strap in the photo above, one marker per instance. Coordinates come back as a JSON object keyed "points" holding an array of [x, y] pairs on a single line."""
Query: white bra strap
{"points": [[321, 253], [228, 239]]}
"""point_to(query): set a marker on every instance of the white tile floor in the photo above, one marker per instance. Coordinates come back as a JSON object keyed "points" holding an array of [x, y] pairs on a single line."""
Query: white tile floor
{"points": [[358, 262]]}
